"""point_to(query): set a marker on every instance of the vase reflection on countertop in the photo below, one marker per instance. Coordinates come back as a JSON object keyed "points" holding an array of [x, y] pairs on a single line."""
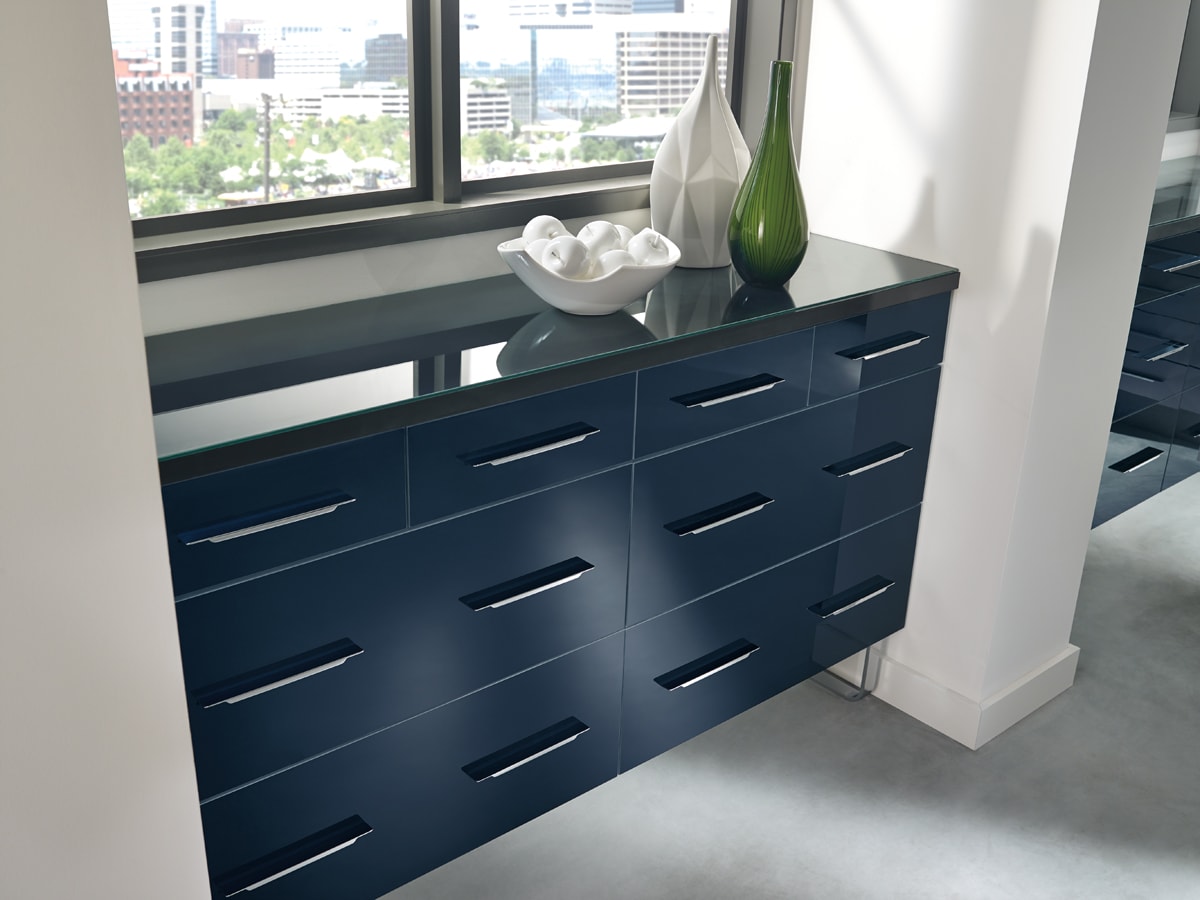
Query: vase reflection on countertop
{"points": [[689, 300], [554, 337], [751, 301]]}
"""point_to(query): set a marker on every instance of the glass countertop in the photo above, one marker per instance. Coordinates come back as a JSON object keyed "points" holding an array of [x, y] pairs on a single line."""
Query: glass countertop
{"points": [[230, 383]]}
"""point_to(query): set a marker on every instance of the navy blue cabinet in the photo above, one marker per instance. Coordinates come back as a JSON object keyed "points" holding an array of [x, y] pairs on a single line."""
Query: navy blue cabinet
{"points": [[880, 346], [280, 669], [361, 820], [707, 395], [1184, 453], [478, 458], [247, 520], [399, 647], [1136, 460]]}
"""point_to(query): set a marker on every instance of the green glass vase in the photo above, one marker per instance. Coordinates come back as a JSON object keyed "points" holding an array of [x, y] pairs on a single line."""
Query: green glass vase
{"points": [[768, 229]]}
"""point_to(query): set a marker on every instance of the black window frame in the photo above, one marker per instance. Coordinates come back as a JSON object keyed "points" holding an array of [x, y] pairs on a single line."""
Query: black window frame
{"points": [[462, 207]]}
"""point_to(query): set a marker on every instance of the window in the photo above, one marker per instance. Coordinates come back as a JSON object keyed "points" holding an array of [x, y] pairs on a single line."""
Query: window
{"points": [[301, 114]]}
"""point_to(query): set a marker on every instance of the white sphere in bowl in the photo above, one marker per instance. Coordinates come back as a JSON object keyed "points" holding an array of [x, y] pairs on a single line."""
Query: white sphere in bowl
{"points": [[567, 256], [613, 260], [600, 237], [626, 235], [537, 249], [649, 248], [546, 227]]}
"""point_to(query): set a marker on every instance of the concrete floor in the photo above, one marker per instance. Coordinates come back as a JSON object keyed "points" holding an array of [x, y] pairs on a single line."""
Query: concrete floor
{"points": [[1095, 795]]}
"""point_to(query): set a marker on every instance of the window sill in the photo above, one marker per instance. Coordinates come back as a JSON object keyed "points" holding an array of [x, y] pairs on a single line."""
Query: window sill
{"points": [[162, 257]]}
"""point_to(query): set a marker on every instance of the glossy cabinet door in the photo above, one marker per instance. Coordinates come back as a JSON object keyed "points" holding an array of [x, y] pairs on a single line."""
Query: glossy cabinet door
{"points": [[250, 519], [881, 346], [1135, 461], [698, 665], [1184, 455], [707, 395], [492, 454], [285, 667], [857, 594], [423, 792], [1157, 363], [709, 514]]}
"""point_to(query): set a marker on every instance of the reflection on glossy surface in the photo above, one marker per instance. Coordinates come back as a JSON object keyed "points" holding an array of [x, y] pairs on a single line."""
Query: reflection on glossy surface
{"points": [[689, 300], [554, 337], [751, 301]]}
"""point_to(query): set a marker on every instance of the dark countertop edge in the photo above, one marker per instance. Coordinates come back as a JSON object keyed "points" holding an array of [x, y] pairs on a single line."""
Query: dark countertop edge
{"points": [[491, 393]]}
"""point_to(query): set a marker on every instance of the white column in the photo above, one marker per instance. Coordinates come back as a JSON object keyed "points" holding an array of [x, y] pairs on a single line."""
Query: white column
{"points": [[1018, 141], [97, 787]]}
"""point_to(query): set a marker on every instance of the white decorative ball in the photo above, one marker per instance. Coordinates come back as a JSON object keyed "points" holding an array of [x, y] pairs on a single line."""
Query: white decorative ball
{"points": [[567, 256], [537, 249], [600, 237], [649, 248], [626, 235], [613, 260]]}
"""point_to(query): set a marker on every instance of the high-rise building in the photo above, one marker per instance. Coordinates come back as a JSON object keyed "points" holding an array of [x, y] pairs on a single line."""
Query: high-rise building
{"points": [[387, 58], [208, 63], [313, 52], [230, 45], [484, 106], [658, 68], [179, 36], [130, 25], [658, 6]]}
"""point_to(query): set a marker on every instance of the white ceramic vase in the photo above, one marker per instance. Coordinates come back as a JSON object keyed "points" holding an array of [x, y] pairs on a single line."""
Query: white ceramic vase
{"points": [[697, 172]]}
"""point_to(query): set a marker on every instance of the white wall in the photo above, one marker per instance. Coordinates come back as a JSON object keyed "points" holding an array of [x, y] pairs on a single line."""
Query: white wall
{"points": [[97, 790], [1019, 142]]}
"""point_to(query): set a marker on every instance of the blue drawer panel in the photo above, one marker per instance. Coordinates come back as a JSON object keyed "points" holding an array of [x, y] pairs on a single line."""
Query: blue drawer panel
{"points": [[247, 520], [1184, 455], [1136, 460], [708, 515], [881, 346], [416, 620], [856, 592], [480, 457], [706, 395], [414, 786], [705, 662], [1157, 363]]}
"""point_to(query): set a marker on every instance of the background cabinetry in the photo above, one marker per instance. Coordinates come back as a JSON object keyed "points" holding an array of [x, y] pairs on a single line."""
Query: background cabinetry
{"points": [[399, 646]]}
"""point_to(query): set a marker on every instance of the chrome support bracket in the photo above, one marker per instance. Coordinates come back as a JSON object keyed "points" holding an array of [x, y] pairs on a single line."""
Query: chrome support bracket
{"points": [[848, 690]]}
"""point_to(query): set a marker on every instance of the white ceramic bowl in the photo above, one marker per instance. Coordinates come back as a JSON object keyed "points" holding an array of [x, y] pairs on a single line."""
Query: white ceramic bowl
{"points": [[586, 297]]}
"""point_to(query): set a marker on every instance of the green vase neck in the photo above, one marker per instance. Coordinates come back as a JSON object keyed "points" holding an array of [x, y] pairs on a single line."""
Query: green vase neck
{"points": [[778, 124]]}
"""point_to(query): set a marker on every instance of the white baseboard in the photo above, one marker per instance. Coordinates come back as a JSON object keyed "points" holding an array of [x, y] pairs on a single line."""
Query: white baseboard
{"points": [[970, 722]]}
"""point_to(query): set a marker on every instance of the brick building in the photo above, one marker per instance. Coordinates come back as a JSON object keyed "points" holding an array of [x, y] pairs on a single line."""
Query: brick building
{"points": [[158, 106]]}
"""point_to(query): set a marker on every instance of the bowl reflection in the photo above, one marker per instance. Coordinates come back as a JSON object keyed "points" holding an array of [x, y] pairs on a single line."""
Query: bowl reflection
{"points": [[555, 337]]}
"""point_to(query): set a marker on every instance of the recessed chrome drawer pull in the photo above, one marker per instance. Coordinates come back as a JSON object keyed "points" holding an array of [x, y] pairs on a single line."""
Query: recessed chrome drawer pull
{"points": [[528, 585], [1131, 463], [706, 666], [293, 857], [719, 515], [852, 597], [276, 675], [526, 750], [863, 462], [1162, 351], [884, 346], [523, 448], [266, 520], [734, 390]]}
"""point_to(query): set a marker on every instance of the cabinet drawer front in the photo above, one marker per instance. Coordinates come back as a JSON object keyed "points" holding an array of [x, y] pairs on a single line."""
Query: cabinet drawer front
{"points": [[1135, 461], [883, 467], [481, 457], [708, 515], [705, 662], [704, 396], [711, 514], [287, 666], [881, 346], [1157, 362], [229, 525], [1184, 458], [858, 594], [555, 728]]}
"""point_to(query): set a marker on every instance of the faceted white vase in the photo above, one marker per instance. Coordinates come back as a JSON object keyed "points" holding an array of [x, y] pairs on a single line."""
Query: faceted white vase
{"points": [[697, 172]]}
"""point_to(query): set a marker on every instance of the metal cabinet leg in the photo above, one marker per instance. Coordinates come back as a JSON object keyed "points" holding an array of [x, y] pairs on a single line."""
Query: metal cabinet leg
{"points": [[848, 690]]}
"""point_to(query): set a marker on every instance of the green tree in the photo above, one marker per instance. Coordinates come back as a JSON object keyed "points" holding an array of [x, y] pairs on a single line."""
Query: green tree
{"points": [[162, 203]]}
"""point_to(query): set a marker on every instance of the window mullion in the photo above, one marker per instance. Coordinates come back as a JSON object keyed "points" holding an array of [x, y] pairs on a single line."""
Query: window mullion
{"points": [[447, 153]]}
